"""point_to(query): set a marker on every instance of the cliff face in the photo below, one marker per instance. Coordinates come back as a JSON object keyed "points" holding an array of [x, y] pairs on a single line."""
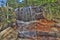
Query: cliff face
{"points": [[28, 13], [42, 25], [33, 23], [39, 29]]}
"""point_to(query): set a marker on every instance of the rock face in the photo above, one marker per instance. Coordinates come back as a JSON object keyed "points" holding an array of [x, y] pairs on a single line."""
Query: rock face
{"points": [[40, 29], [32, 24], [28, 13]]}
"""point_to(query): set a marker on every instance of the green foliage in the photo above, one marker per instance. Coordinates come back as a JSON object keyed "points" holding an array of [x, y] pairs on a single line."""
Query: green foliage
{"points": [[6, 16], [52, 11], [14, 4]]}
